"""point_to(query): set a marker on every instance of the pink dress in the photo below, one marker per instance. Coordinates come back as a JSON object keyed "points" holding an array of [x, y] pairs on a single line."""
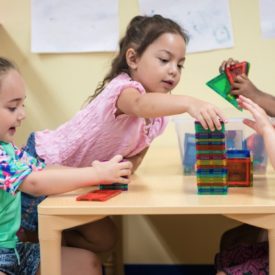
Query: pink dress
{"points": [[96, 133]]}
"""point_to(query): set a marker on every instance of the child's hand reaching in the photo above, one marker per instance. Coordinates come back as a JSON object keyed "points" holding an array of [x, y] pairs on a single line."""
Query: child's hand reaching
{"points": [[261, 124], [113, 170], [243, 86], [227, 63], [207, 114]]}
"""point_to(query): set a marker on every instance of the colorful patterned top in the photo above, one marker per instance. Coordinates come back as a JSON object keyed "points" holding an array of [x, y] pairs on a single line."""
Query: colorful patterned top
{"points": [[97, 133], [15, 165]]}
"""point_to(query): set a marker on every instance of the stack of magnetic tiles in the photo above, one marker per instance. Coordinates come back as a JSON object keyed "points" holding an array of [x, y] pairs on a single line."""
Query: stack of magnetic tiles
{"points": [[211, 160]]}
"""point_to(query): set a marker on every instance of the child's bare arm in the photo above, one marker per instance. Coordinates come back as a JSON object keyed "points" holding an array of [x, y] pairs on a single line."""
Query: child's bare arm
{"points": [[152, 105], [54, 181]]}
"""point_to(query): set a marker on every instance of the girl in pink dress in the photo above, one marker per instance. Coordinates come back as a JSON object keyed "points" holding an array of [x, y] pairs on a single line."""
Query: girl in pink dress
{"points": [[126, 113]]}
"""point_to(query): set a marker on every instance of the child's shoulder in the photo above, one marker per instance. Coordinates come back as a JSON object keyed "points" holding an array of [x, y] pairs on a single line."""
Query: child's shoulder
{"points": [[123, 81]]}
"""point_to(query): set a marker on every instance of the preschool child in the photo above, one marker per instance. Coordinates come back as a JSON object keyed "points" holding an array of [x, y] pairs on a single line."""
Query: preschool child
{"points": [[129, 107], [244, 257], [19, 171], [245, 233], [248, 239]]}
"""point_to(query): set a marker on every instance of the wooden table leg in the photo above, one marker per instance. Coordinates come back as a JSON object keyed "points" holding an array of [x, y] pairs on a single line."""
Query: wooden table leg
{"points": [[266, 221], [50, 229], [271, 241]]}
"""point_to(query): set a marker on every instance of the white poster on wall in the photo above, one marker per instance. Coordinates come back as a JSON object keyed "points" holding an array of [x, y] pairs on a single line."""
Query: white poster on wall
{"points": [[67, 26], [207, 22], [267, 11]]}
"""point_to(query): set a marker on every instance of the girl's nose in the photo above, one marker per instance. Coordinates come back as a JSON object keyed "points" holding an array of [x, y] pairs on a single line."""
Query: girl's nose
{"points": [[21, 114], [173, 69]]}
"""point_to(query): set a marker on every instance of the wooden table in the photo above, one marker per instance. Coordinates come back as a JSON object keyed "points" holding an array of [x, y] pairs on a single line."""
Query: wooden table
{"points": [[158, 188]]}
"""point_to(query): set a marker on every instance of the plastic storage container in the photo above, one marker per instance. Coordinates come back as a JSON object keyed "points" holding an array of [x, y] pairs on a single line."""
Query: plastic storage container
{"points": [[237, 136]]}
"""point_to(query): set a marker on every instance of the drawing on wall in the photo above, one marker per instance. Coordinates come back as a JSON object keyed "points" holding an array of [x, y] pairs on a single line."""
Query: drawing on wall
{"points": [[207, 22], [67, 26], [267, 11]]}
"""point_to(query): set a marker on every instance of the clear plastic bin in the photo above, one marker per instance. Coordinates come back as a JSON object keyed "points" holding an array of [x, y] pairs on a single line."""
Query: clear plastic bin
{"points": [[237, 136]]}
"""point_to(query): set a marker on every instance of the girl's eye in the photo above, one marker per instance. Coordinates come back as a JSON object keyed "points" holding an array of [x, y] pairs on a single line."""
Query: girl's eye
{"points": [[180, 66], [163, 60], [12, 109]]}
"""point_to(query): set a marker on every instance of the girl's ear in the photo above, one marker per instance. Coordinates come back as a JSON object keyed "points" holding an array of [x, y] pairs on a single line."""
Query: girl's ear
{"points": [[131, 58]]}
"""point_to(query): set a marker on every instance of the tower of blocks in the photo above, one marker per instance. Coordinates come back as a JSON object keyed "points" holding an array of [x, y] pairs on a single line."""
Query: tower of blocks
{"points": [[240, 168], [211, 160]]}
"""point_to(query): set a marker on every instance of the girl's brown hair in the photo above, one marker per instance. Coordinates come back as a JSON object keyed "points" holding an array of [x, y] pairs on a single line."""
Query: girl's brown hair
{"points": [[141, 32], [5, 66]]}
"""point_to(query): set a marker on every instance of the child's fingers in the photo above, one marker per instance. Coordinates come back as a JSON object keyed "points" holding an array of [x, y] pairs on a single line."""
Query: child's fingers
{"points": [[246, 100], [203, 123], [227, 63], [231, 62], [240, 78], [117, 158], [123, 180], [125, 172], [256, 111], [126, 165], [209, 121], [222, 67], [250, 123], [249, 104], [216, 116], [219, 116], [216, 120], [235, 90]]}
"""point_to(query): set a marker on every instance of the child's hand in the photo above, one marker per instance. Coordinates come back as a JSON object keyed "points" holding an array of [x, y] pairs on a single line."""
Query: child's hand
{"points": [[261, 124], [113, 170], [207, 114], [227, 63], [243, 86]]}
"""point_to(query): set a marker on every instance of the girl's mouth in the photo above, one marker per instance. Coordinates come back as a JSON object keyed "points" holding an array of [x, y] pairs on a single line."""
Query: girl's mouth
{"points": [[168, 83], [12, 130]]}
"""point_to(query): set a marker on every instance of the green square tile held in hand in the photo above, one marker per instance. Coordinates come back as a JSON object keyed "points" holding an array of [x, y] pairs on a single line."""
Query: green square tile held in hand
{"points": [[221, 85]]}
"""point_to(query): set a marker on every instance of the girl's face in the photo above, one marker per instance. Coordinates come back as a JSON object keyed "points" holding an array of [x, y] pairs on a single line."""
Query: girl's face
{"points": [[159, 68], [12, 96]]}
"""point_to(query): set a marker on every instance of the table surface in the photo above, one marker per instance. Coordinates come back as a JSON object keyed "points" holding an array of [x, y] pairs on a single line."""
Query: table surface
{"points": [[159, 187]]}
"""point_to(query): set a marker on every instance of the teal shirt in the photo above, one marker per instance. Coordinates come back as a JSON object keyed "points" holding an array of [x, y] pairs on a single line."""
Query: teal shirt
{"points": [[10, 217], [15, 166]]}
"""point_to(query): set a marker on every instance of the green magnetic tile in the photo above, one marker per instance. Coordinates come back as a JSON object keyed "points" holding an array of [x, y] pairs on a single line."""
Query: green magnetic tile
{"points": [[221, 86], [200, 130]]}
